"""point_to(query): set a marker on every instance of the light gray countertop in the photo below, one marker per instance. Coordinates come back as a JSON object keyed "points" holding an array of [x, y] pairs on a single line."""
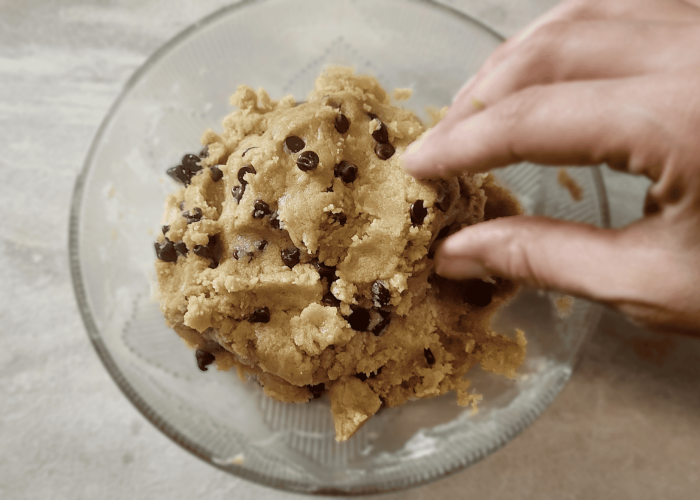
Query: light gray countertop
{"points": [[626, 426]]}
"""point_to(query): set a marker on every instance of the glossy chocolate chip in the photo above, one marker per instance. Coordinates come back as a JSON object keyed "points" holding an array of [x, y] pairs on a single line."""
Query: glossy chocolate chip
{"points": [[324, 271], [193, 216], [165, 250], [381, 296], [308, 160], [290, 257], [383, 324], [165, 229], [248, 169], [384, 151], [260, 245], [294, 143], [211, 251], [330, 300], [418, 213], [381, 135], [260, 315], [237, 192], [190, 161], [204, 153], [248, 149], [317, 390], [477, 293], [216, 173], [179, 174], [260, 209], [429, 356], [181, 248], [346, 171], [442, 200], [204, 359], [342, 124], [275, 220], [359, 319]]}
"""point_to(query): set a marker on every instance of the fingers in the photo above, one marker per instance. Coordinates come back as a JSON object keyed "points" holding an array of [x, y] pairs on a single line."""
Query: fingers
{"points": [[564, 51], [575, 123], [582, 260]]}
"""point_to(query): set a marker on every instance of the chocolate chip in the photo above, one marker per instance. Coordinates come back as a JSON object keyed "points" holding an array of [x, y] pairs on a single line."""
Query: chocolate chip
{"points": [[339, 218], [195, 216], [179, 174], [248, 169], [216, 173], [275, 220], [190, 162], [181, 248], [211, 251], [372, 116], [204, 359], [204, 153], [290, 257], [442, 200], [294, 143], [260, 209], [384, 151], [429, 357], [317, 390], [381, 135], [324, 271], [308, 160], [330, 300], [165, 229], [346, 171], [260, 315], [237, 192], [477, 293], [248, 149], [260, 245], [165, 250], [418, 213], [359, 319], [342, 124], [361, 376], [383, 324], [381, 296]]}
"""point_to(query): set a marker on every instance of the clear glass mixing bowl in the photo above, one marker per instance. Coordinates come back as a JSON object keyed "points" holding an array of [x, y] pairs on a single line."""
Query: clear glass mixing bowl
{"points": [[282, 45]]}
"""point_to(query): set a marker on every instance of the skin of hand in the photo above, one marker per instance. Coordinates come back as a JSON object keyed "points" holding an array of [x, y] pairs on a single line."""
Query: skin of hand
{"points": [[590, 82]]}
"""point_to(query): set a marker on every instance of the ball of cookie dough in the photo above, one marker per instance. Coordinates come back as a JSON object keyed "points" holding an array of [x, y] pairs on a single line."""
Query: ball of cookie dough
{"points": [[299, 252]]}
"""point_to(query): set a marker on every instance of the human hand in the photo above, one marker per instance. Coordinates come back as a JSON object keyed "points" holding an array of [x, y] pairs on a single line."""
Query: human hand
{"points": [[589, 82]]}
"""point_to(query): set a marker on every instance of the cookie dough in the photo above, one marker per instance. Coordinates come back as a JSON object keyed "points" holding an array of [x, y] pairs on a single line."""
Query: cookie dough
{"points": [[299, 253]]}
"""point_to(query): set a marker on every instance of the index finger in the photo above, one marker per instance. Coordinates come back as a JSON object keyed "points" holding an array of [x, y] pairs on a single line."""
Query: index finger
{"points": [[572, 123]]}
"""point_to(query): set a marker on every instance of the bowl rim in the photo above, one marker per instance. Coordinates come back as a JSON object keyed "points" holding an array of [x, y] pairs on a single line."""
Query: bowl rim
{"points": [[135, 398]]}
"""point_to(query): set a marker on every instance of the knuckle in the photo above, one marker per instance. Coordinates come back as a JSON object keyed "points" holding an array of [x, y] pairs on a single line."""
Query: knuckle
{"points": [[515, 109]]}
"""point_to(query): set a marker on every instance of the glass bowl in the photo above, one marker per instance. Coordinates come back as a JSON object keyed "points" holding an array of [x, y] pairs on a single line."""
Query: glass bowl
{"points": [[282, 45]]}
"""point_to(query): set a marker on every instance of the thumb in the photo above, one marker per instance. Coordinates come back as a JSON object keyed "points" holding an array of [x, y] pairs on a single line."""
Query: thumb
{"points": [[606, 265]]}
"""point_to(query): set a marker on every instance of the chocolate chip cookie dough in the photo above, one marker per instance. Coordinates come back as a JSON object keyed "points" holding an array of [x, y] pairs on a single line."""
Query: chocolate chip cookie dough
{"points": [[300, 253]]}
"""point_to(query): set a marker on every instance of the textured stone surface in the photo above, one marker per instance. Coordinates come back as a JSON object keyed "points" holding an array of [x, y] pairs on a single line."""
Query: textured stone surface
{"points": [[627, 426]]}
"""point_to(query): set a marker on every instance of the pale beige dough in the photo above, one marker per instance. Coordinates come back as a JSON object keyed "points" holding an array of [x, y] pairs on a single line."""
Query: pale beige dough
{"points": [[424, 332]]}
